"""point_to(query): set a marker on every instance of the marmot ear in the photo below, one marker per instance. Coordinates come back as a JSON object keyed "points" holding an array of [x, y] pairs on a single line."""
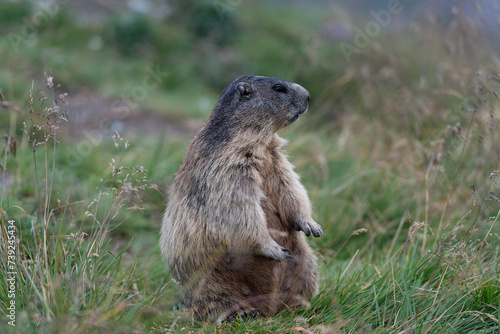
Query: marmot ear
{"points": [[244, 88]]}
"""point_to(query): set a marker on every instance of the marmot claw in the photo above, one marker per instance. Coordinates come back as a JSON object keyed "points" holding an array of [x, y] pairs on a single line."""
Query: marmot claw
{"points": [[308, 227], [278, 253], [244, 315], [288, 253]]}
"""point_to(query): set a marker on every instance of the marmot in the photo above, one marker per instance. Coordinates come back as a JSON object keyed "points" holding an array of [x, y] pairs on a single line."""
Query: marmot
{"points": [[231, 230]]}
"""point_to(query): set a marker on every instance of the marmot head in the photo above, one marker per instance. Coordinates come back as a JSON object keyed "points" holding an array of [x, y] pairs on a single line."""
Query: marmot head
{"points": [[261, 104]]}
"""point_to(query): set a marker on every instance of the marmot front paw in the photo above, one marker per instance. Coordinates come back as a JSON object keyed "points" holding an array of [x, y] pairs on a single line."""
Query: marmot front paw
{"points": [[308, 227], [277, 253]]}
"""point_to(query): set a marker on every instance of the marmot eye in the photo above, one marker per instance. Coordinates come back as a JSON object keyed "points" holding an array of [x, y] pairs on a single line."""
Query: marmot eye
{"points": [[279, 88]]}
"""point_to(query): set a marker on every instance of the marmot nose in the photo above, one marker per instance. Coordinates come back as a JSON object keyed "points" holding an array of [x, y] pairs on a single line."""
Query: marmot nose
{"points": [[302, 91]]}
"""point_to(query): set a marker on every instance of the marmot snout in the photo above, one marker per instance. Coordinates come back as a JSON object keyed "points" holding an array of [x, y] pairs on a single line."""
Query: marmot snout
{"points": [[232, 231]]}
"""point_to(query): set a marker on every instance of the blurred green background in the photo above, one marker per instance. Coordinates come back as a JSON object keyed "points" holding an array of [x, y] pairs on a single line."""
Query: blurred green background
{"points": [[402, 128]]}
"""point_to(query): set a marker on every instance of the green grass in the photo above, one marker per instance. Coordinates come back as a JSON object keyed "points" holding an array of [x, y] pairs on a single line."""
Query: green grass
{"points": [[399, 153]]}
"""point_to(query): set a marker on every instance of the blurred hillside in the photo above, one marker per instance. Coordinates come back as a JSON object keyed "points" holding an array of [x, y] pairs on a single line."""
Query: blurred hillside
{"points": [[399, 152], [107, 46]]}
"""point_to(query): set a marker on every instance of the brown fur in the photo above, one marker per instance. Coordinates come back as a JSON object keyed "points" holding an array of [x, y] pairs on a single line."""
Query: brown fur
{"points": [[236, 208]]}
